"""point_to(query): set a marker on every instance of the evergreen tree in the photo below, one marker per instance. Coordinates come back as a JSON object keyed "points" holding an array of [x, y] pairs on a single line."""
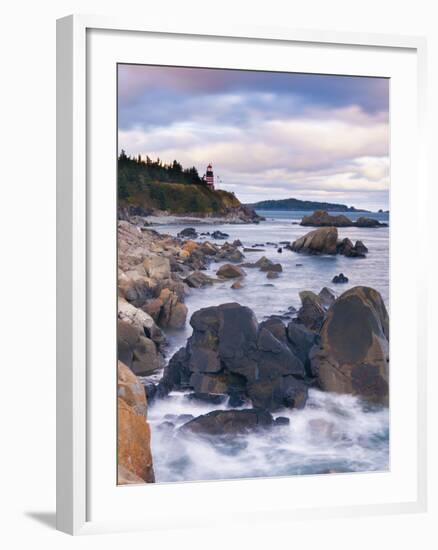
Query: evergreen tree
{"points": [[134, 173]]}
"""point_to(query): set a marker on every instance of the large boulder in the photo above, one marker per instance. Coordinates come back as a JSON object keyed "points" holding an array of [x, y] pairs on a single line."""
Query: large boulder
{"points": [[346, 247], [229, 422], [153, 308], [188, 233], [361, 248], [134, 442], [227, 334], [320, 241], [266, 265], [321, 218], [263, 263], [272, 268], [353, 354], [369, 222], [230, 253], [189, 247], [130, 389], [133, 436], [136, 350], [157, 267], [197, 279], [208, 248], [196, 259], [145, 359], [178, 316], [228, 271], [173, 312], [141, 321], [136, 290], [230, 353]]}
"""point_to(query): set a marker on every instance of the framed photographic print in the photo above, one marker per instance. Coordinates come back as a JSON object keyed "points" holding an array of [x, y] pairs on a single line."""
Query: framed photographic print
{"points": [[233, 324]]}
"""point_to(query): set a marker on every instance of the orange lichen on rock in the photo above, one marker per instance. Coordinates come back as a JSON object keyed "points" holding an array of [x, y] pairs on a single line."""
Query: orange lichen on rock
{"points": [[133, 434], [190, 246]]}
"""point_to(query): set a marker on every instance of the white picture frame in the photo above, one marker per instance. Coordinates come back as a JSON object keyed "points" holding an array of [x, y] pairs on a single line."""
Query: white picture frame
{"points": [[76, 215]]}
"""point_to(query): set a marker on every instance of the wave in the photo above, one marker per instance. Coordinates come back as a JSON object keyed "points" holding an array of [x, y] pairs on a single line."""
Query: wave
{"points": [[332, 434]]}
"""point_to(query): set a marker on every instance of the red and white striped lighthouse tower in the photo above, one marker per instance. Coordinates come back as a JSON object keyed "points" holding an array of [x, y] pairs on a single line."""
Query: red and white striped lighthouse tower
{"points": [[209, 177]]}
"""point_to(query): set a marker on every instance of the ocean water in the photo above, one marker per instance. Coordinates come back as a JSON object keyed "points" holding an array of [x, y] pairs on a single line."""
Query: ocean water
{"points": [[300, 272], [333, 433]]}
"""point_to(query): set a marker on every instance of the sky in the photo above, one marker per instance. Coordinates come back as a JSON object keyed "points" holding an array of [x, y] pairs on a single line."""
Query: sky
{"points": [[268, 135]]}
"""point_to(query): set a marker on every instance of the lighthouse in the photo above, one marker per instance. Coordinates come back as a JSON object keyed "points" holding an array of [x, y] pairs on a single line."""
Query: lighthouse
{"points": [[209, 177]]}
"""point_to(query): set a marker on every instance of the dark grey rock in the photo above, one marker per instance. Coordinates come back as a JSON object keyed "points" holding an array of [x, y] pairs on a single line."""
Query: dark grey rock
{"points": [[341, 278], [188, 233], [352, 356], [230, 422], [214, 399], [219, 235], [230, 353], [197, 279]]}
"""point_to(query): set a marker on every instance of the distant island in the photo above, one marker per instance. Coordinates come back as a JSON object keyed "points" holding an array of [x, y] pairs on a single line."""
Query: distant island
{"points": [[296, 204]]}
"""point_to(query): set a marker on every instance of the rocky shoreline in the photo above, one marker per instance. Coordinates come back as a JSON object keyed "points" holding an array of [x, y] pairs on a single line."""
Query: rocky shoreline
{"points": [[150, 217], [334, 343]]}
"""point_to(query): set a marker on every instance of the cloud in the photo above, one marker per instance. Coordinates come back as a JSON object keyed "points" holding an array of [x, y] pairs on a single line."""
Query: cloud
{"points": [[310, 136], [152, 106], [136, 81]]}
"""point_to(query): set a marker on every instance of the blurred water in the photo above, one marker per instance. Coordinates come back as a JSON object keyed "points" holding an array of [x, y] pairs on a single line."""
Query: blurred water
{"points": [[333, 433]]}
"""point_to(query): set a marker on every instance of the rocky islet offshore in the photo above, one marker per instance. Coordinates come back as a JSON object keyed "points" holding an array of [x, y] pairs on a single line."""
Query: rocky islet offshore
{"points": [[337, 344], [321, 218]]}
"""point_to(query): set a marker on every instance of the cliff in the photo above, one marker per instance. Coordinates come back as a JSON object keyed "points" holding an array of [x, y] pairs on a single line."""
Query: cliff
{"points": [[150, 188], [182, 199]]}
